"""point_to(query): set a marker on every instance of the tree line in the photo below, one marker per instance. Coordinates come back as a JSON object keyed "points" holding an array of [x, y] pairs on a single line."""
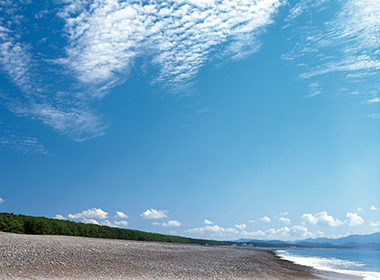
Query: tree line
{"points": [[23, 224]]}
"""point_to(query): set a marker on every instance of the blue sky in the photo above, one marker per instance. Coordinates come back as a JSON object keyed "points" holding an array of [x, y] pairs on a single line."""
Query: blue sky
{"points": [[220, 119]]}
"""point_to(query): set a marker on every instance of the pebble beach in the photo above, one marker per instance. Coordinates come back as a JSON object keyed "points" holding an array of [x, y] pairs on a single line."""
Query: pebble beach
{"points": [[66, 257]]}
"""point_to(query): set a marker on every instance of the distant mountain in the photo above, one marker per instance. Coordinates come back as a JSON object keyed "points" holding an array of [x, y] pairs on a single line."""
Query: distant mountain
{"points": [[368, 241], [354, 241]]}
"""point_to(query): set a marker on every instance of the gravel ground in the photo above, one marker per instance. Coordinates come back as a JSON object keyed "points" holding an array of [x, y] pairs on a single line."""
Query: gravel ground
{"points": [[63, 257]]}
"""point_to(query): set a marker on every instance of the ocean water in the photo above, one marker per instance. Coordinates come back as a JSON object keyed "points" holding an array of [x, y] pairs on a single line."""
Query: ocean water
{"points": [[361, 263]]}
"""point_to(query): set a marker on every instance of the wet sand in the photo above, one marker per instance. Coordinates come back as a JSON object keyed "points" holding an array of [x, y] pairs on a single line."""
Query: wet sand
{"points": [[65, 257]]}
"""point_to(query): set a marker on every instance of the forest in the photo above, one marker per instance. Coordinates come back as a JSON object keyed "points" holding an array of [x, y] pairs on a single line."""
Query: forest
{"points": [[23, 224]]}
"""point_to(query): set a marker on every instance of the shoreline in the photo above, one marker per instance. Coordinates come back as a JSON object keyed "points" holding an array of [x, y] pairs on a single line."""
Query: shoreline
{"points": [[66, 257]]}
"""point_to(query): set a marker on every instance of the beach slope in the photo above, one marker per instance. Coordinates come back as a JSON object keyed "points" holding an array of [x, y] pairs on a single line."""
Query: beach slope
{"points": [[66, 257]]}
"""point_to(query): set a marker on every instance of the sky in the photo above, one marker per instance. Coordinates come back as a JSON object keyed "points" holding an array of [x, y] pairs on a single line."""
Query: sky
{"points": [[216, 119]]}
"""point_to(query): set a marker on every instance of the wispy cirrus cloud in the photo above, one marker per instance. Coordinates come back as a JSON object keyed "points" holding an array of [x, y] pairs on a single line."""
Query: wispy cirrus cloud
{"points": [[346, 47], [24, 144], [104, 39]]}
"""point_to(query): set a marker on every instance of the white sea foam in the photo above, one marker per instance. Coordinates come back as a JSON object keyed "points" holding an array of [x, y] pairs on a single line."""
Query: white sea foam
{"points": [[331, 264]]}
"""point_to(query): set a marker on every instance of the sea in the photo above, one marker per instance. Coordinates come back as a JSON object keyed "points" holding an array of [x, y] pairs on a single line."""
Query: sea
{"points": [[364, 264]]}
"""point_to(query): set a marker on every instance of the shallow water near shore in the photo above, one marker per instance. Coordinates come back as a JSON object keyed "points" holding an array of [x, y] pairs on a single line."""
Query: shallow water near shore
{"points": [[360, 263]]}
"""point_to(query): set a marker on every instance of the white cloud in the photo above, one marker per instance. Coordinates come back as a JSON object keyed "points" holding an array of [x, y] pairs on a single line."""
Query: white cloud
{"points": [[121, 215], [1, 200], [303, 232], [374, 208], [252, 221], [373, 100], [108, 223], [95, 213], [284, 233], [346, 45], [156, 223], [90, 213], [354, 219], [154, 214], [252, 234], [375, 224], [172, 224], [281, 233], [241, 226], [121, 223], [360, 210], [59, 217], [172, 232], [374, 116], [24, 144], [213, 230], [322, 219], [286, 221], [265, 219], [90, 221], [106, 38], [75, 216], [207, 222]]}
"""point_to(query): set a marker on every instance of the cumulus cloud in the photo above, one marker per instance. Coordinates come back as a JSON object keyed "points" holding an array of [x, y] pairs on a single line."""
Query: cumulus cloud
{"points": [[59, 217], [286, 221], [265, 219], [322, 219], [1, 200], [90, 221], [172, 224], [154, 214], [375, 224], [121, 223], [281, 233], [354, 219], [121, 215], [96, 213], [241, 226], [284, 233], [374, 208], [213, 230], [207, 222]]}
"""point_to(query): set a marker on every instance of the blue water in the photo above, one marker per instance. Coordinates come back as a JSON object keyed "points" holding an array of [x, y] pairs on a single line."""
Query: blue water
{"points": [[361, 263]]}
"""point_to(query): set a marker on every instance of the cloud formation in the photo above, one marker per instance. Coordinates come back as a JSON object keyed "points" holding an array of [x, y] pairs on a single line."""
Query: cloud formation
{"points": [[213, 231], [154, 214], [321, 218], [286, 221], [207, 222], [96, 213], [121, 215], [346, 47], [1, 200], [265, 219], [105, 37], [172, 224], [354, 219], [241, 226], [373, 208]]}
